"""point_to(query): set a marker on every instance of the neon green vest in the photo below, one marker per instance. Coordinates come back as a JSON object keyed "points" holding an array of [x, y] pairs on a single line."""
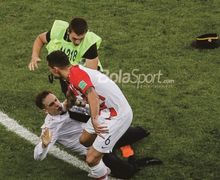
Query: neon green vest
{"points": [[74, 53]]}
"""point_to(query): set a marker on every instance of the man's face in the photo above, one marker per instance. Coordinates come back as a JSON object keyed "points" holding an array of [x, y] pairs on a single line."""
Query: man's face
{"points": [[52, 105], [76, 39], [55, 72]]}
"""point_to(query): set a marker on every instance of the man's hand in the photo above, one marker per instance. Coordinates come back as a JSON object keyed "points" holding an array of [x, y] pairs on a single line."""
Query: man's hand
{"points": [[46, 138], [71, 99], [37, 46], [93, 100], [99, 128], [34, 63]]}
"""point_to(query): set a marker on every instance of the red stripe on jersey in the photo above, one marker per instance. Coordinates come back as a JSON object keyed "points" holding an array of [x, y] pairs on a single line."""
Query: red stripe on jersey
{"points": [[112, 112], [80, 79], [102, 98], [71, 87]]}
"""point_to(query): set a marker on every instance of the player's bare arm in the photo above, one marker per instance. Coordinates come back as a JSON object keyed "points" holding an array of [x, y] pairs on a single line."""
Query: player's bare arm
{"points": [[93, 100], [37, 46], [71, 99], [92, 63]]}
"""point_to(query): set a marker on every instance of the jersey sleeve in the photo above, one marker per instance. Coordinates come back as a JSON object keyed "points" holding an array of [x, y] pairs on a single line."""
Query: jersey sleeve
{"points": [[80, 79], [48, 36], [91, 53]]}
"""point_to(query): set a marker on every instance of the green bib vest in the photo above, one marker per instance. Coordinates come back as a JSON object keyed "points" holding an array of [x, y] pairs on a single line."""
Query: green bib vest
{"points": [[74, 53]]}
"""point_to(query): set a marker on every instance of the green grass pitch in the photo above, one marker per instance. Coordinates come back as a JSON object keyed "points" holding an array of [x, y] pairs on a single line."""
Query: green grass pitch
{"points": [[152, 36]]}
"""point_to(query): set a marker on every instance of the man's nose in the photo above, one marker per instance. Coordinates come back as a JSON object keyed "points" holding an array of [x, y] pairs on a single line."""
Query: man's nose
{"points": [[57, 104]]}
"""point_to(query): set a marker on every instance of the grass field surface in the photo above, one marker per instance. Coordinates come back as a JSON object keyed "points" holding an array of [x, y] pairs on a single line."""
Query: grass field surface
{"points": [[182, 109]]}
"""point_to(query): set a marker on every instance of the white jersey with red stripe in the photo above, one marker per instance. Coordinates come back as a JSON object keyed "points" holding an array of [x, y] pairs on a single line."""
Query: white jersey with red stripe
{"points": [[82, 78]]}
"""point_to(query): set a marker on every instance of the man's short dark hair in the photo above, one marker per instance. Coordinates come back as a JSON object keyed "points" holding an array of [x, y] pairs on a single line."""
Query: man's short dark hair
{"points": [[40, 97], [57, 59], [78, 25]]}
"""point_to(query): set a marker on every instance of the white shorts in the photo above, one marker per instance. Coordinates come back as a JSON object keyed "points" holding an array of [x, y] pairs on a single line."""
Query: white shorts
{"points": [[117, 126]]}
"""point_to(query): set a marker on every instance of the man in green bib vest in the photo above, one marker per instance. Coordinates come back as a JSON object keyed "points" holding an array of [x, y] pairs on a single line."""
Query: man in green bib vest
{"points": [[73, 38]]}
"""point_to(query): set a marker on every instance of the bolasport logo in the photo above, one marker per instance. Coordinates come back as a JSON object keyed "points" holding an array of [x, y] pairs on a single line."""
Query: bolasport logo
{"points": [[140, 80]]}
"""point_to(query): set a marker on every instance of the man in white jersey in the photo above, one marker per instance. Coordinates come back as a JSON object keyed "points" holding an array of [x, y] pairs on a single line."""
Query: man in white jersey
{"points": [[111, 115], [59, 127]]}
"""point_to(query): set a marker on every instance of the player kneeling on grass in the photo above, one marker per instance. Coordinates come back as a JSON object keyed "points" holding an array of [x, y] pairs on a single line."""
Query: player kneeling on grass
{"points": [[111, 114], [59, 127]]}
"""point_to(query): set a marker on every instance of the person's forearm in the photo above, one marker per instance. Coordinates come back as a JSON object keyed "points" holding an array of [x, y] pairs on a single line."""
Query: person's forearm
{"points": [[92, 63], [93, 100], [39, 152], [37, 46]]}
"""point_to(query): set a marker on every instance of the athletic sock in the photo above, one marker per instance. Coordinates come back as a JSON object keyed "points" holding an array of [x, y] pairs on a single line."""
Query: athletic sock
{"points": [[99, 171]]}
